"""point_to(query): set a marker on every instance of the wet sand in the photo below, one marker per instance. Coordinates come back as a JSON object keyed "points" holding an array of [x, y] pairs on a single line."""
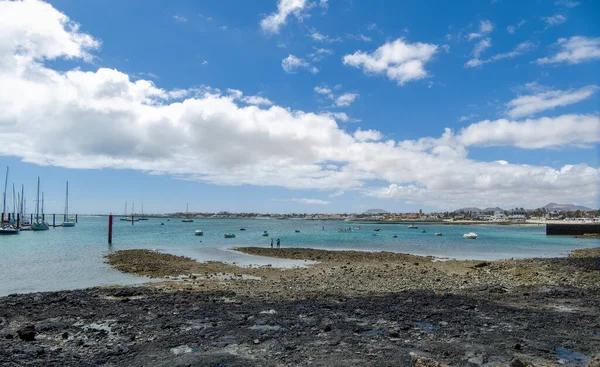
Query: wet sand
{"points": [[350, 308]]}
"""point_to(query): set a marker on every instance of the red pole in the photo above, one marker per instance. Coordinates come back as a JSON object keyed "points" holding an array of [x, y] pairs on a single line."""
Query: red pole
{"points": [[110, 229]]}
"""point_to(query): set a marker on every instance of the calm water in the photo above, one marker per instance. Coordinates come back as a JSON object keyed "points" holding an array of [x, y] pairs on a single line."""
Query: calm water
{"points": [[69, 258]]}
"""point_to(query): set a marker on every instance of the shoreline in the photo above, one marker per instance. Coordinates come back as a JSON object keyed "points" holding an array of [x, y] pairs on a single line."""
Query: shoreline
{"points": [[349, 308]]}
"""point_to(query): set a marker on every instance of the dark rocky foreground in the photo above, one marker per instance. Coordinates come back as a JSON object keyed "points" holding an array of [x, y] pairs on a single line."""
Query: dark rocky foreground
{"points": [[145, 326]]}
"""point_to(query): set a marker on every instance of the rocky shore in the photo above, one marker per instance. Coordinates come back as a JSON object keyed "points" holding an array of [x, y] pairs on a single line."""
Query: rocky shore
{"points": [[350, 308]]}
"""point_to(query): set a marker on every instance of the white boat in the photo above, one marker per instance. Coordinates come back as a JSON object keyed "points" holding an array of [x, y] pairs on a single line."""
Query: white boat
{"points": [[8, 228], [199, 232], [187, 213], [142, 215], [412, 226], [470, 235], [438, 233], [67, 222], [38, 225], [265, 233]]}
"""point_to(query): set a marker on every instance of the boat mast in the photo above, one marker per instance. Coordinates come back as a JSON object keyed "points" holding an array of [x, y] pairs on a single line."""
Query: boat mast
{"points": [[67, 203], [4, 196], [37, 203], [42, 206], [14, 205], [132, 209], [142, 209]]}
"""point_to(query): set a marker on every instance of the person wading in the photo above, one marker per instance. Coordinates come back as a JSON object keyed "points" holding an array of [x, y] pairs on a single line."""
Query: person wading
{"points": [[271, 243], [278, 243]]}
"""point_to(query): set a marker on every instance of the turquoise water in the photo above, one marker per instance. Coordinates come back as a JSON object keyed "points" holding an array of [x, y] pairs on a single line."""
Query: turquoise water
{"points": [[70, 258]]}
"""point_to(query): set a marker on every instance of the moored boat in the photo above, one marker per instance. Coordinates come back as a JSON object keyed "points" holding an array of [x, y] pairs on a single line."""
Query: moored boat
{"points": [[438, 233], [199, 232], [229, 235], [470, 235], [38, 225], [67, 221], [412, 226], [8, 228], [297, 231], [265, 233]]}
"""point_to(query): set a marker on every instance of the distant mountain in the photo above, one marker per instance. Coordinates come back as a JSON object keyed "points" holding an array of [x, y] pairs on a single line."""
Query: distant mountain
{"points": [[565, 207], [376, 211], [466, 210], [496, 209]]}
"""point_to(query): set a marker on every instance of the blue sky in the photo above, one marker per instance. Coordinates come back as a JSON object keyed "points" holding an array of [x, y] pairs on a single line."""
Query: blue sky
{"points": [[302, 106]]}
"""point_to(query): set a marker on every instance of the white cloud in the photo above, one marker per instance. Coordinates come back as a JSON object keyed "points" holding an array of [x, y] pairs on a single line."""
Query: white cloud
{"points": [[371, 26], [345, 99], [574, 50], [324, 4], [567, 3], [103, 119], [512, 29], [320, 53], [481, 46], [204, 62], [367, 135], [319, 37], [325, 91], [545, 132], [519, 50], [485, 27], [446, 48], [467, 118], [398, 60], [310, 201], [359, 37], [547, 100], [554, 20], [285, 8], [339, 116], [180, 18], [292, 63]]}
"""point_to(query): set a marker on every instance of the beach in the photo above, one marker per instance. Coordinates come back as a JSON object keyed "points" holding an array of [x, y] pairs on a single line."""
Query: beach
{"points": [[346, 308]]}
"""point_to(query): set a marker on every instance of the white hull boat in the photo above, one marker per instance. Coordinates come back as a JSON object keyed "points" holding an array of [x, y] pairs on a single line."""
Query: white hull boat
{"points": [[470, 235]]}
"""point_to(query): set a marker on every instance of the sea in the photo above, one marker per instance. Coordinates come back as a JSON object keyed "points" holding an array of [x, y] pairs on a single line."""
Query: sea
{"points": [[72, 258]]}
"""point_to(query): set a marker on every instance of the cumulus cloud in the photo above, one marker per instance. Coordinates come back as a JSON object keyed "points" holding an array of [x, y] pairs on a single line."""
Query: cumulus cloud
{"points": [[285, 8], [567, 3], [320, 53], [554, 20], [545, 132], [252, 100], [399, 60], [292, 63], [547, 100], [521, 48], [345, 99], [574, 50], [102, 118]]}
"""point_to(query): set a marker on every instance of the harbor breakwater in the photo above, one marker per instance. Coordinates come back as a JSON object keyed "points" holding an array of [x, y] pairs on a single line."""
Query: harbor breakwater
{"points": [[573, 229]]}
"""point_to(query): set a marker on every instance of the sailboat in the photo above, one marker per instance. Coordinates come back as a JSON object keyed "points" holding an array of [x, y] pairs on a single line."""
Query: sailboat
{"points": [[133, 217], [142, 215], [38, 225], [67, 222], [187, 219], [125, 217], [7, 227]]}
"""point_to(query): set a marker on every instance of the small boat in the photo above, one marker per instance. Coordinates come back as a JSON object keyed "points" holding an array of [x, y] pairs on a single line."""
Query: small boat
{"points": [[297, 231], [377, 229], [199, 232], [265, 233], [470, 235], [423, 231], [187, 213], [229, 235], [8, 228], [395, 236], [162, 224], [142, 215], [67, 221], [242, 229], [438, 233], [412, 226], [37, 225]]}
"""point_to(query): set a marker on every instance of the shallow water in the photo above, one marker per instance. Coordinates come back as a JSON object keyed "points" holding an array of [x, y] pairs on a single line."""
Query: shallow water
{"points": [[70, 258]]}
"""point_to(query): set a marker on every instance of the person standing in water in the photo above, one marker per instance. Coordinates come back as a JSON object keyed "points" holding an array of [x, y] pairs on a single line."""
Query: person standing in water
{"points": [[278, 243], [271, 243]]}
